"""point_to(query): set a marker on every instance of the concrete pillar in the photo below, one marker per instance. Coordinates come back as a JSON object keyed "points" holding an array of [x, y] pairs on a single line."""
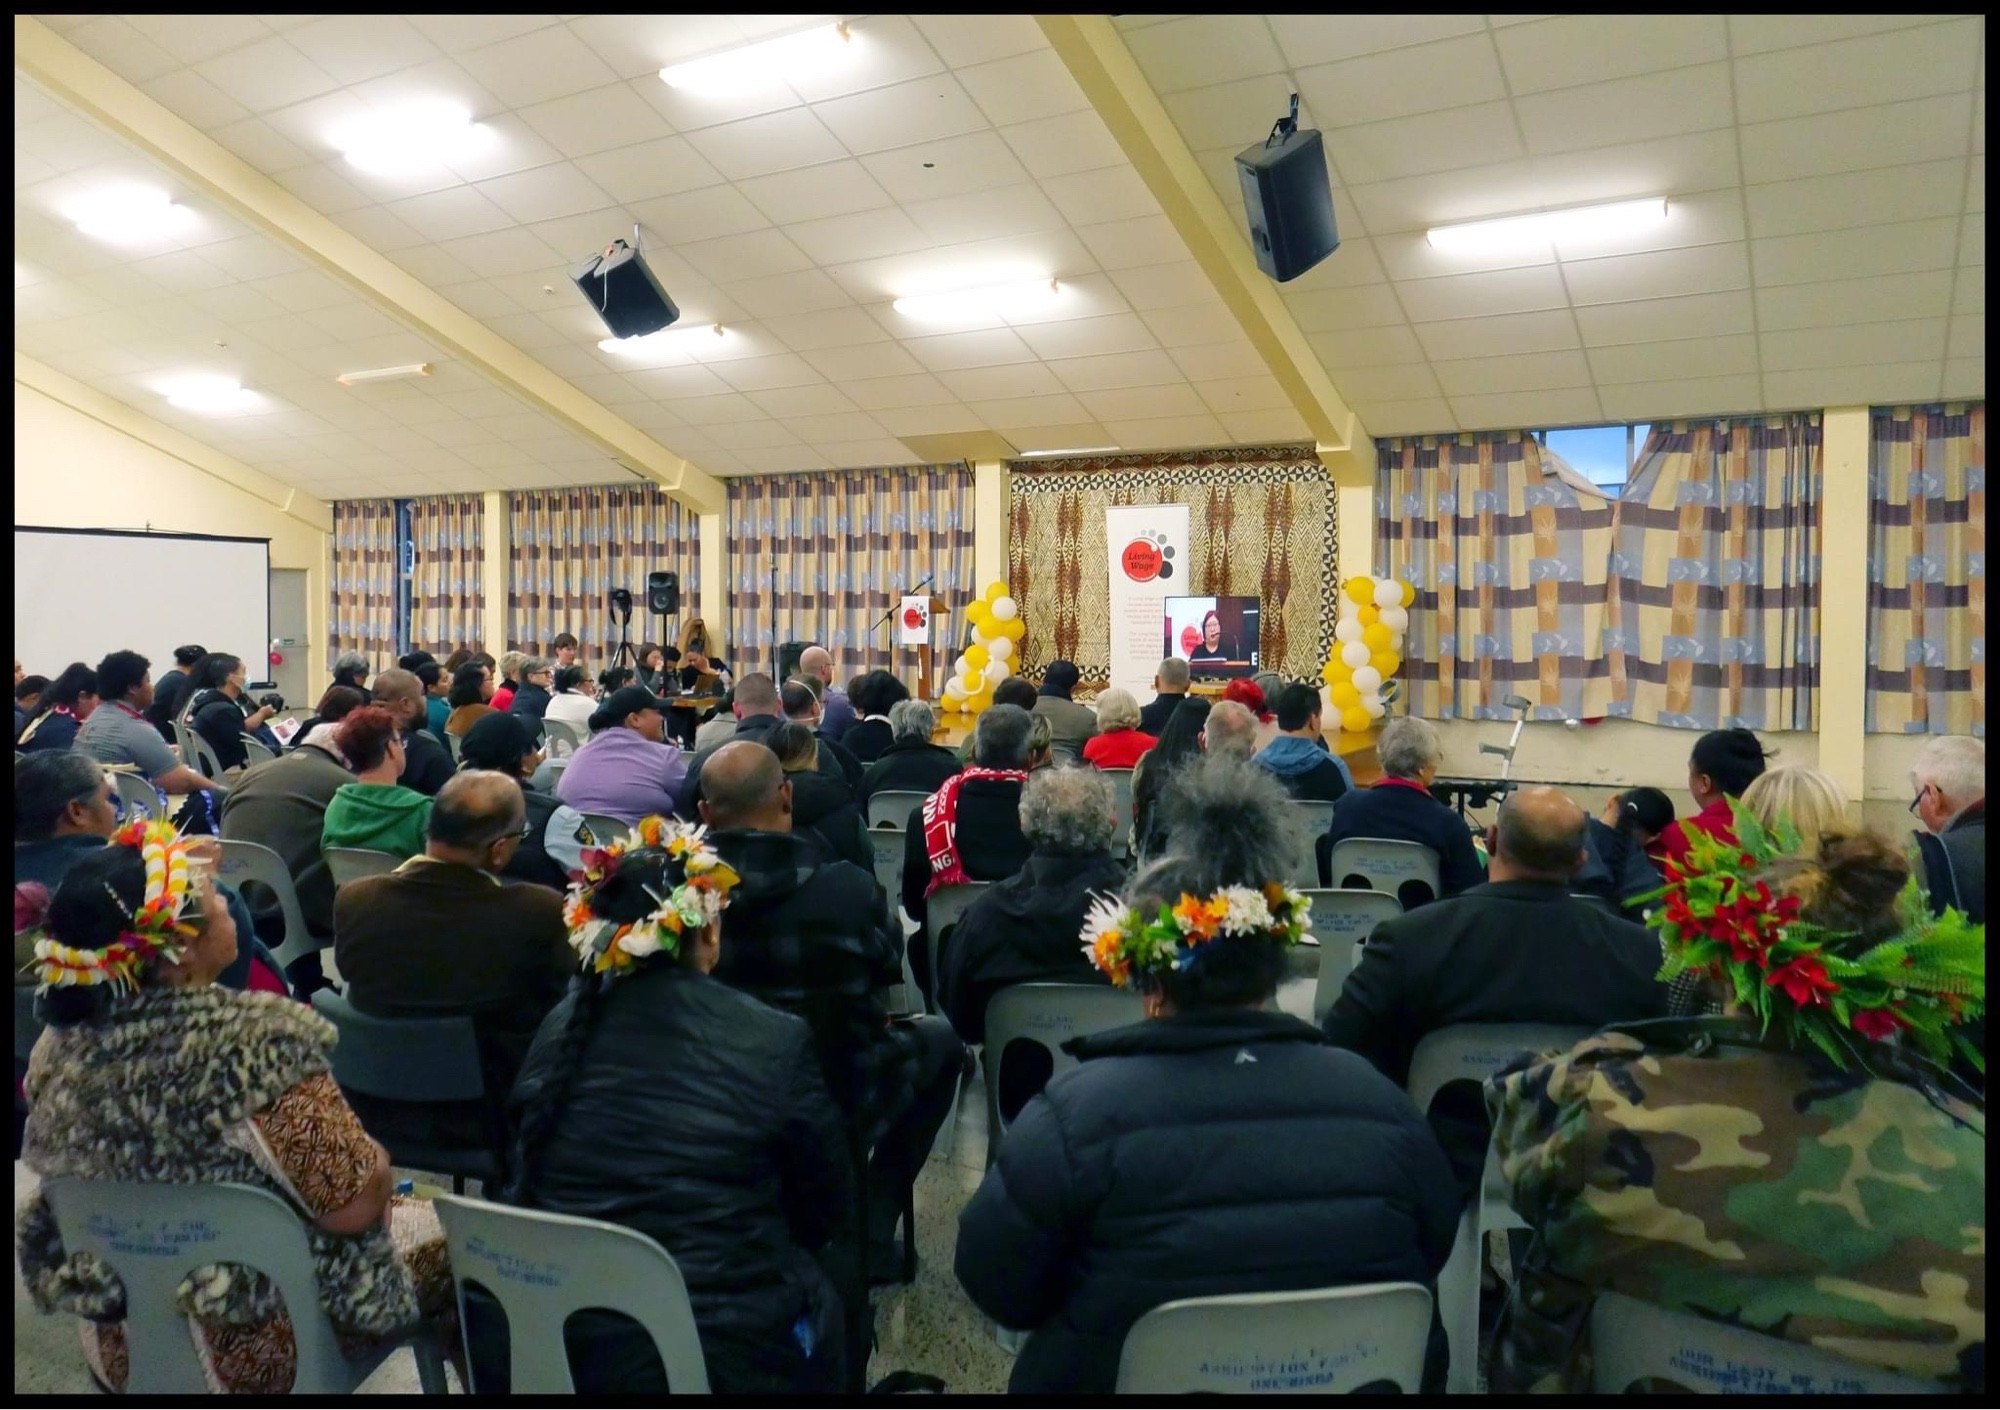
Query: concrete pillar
{"points": [[990, 524], [495, 542], [712, 599], [1843, 599]]}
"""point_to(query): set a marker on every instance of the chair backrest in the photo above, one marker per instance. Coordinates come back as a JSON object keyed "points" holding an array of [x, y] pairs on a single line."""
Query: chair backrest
{"points": [[255, 752], [543, 1267], [27, 1027], [893, 807], [1316, 814], [1473, 1052], [136, 796], [254, 862], [1633, 1340], [1048, 1015], [1324, 1341], [1121, 810], [606, 828], [347, 864], [184, 741], [1341, 921], [199, 754], [153, 1235], [942, 911], [452, 742], [1312, 816], [403, 1059], [560, 737], [1406, 870]]}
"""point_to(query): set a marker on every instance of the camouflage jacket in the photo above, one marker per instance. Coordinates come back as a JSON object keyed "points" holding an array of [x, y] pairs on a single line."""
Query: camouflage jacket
{"points": [[1690, 1164]]}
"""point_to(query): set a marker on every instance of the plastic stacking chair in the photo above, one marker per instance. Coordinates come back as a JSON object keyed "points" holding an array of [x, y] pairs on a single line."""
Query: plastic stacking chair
{"points": [[542, 1268], [1342, 921], [1634, 1341], [606, 828], [893, 808], [1121, 811], [560, 739], [1047, 1015], [351, 863], [199, 754], [136, 796], [1406, 870], [1312, 816], [1324, 1341], [1473, 1052], [942, 910], [254, 862], [153, 1235], [255, 752], [452, 742]]}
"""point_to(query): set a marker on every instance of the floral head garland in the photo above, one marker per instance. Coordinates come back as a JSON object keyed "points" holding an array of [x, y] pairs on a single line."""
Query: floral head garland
{"points": [[698, 901], [1120, 940], [1721, 919], [159, 927]]}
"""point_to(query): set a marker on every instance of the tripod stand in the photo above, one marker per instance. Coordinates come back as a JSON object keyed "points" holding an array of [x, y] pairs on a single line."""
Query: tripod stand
{"points": [[621, 613]]}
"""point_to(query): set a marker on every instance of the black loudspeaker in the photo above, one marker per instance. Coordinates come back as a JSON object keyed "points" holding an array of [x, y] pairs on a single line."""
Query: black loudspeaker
{"points": [[1289, 202], [626, 294], [663, 593]]}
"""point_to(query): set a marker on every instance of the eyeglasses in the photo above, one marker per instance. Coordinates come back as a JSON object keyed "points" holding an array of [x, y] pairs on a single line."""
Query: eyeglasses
{"points": [[1918, 801]]}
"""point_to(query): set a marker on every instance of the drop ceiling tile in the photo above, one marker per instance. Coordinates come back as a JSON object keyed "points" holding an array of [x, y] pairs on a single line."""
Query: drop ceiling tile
{"points": [[1975, 187], [1012, 413], [1664, 166], [1403, 82], [1243, 394], [923, 109], [545, 193], [1857, 198], [865, 360], [500, 253], [665, 166], [597, 120], [1266, 426], [536, 67], [1021, 379], [1208, 362], [1528, 372], [194, 38], [763, 374], [1416, 416], [1570, 50], [1968, 295], [1012, 210], [767, 462], [1112, 371], [195, 99], [1905, 340], [1162, 285], [832, 426], [1655, 320], [1627, 109], [1478, 295], [1201, 50], [983, 348], [1089, 337], [1576, 406], [1882, 68], [865, 235], [324, 187], [1905, 248], [1972, 239], [1126, 244], [354, 48], [1873, 384], [1856, 139], [263, 146], [728, 407], [815, 192], [1331, 310], [1416, 203], [451, 213], [1723, 355], [1705, 218], [1176, 398], [1057, 146], [1756, 34], [307, 289], [829, 328], [808, 291], [1366, 347], [1234, 114], [1705, 269], [752, 255], [120, 47], [882, 451], [1964, 377], [705, 214], [886, 393], [1168, 433], [1499, 337], [1023, 88], [938, 420], [752, 435], [1393, 382], [1306, 40], [813, 400], [761, 145], [1687, 396], [954, 166]]}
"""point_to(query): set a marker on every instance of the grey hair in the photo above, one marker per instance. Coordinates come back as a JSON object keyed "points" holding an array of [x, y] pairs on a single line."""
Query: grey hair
{"points": [[1041, 735], [912, 719], [1116, 709], [1000, 739], [1067, 810], [1408, 746], [532, 664], [510, 664], [1270, 682], [1229, 823], [1231, 730], [1173, 673], [1955, 765], [349, 662]]}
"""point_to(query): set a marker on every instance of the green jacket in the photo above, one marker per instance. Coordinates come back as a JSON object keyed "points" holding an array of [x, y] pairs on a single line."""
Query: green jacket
{"points": [[382, 817]]}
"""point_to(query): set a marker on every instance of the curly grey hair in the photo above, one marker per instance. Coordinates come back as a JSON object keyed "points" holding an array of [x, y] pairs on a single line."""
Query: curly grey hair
{"points": [[1229, 823], [1000, 739], [1068, 810], [1116, 709], [349, 662], [1408, 746], [912, 719]]}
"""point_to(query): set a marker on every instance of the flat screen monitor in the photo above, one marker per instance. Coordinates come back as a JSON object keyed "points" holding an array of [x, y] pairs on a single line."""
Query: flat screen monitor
{"points": [[1216, 636]]}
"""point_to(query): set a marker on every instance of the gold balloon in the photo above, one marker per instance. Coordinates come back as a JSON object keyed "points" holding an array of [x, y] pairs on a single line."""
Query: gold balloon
{"points": [[1409, 594], [977, 612], [1354, 720], [977, 656], [994, 592], [1345, 697], [1013, 629], [1386, 662], [1360, 591], [1378, 637]]}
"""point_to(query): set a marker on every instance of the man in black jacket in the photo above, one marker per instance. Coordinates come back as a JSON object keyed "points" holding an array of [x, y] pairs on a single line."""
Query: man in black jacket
{"points": [[1516, 950], [759, 709], [1170, 684], [911, 763], [1949, 779], [427, 766]]}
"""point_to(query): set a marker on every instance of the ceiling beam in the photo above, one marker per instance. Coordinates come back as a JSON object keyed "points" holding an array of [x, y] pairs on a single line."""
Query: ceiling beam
{"points": [[83, 84], [1091, 47]]}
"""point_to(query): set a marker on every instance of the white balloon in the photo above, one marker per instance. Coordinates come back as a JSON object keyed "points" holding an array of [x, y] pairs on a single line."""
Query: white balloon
{"points": [[1388, 592], [1367, 679], [961, 665], [1374, 706], [1001, 648], [996, 671], [1006, 610], [1355, 654], [1350, 610], [1347, 629], [1396, 619]]}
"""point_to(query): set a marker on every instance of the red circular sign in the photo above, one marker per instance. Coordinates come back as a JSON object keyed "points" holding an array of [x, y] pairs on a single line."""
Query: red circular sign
{"points": [[1190, 639], [913, 617], [1141, 560]]}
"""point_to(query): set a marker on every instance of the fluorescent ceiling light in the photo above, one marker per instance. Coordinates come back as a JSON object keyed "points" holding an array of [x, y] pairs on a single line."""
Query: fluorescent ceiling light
{"points": [[208, 393], [762, 64], [384, 374], [1578, 223], [1070, 450], [412, 137], [692, 341], [982, 304], [129, 215]]}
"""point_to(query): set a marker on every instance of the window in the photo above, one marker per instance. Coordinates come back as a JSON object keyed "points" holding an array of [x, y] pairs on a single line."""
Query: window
{"points": [[406, 576], [1604, 455]]}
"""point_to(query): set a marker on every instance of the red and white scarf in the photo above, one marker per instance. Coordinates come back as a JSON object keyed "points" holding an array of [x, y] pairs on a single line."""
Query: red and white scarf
{"points": [[941, 825]]}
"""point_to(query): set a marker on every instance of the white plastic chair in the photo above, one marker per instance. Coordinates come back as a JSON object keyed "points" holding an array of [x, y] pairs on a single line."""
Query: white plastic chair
{"points": [[1047, 1015], [1121, 810], [606, 828], [253, 861], [347, 864], [560, 738], [942, 910], [892, 808], [1632, 1340], [153, 1235], [199, 754], [137, 796], [255, 752], [543, 1267], [452, 742], [1473, 1052], [1387, 864], [1342, 921], [1324, 1341]]}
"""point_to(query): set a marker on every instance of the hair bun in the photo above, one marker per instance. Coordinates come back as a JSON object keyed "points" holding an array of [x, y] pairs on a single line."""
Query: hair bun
{"points": [[1861, 871]]}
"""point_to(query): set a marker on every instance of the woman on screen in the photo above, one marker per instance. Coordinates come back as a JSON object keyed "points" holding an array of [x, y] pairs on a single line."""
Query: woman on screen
{"points": [[1213, 647]]}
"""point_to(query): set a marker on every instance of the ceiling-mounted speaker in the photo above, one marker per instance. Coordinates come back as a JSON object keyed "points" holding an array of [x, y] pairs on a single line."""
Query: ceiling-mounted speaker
{"points": [[1289, 199], [627, 295]]}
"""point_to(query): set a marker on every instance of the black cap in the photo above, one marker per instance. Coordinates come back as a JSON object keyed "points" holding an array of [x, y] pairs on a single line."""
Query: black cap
{"points": [[628, 700], [496, 740]]}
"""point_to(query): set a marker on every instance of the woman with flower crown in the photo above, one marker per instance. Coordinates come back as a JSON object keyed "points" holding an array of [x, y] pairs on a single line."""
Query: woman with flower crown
{"points": [[1219, 1146], [1801, 1165], [663, 1099], [149, 1071]]}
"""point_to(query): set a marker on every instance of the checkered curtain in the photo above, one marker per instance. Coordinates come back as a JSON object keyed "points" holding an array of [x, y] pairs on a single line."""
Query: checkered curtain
{"points": [[843, 546], [1927, 570], [363, 618], [569, 548], [448, 597]]}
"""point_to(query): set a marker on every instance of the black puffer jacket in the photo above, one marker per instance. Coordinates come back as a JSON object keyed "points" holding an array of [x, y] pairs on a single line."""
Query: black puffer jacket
{"points": [[1026, 930], [696, 1116], [908, 766], [1191, 1156], [822, 806]]}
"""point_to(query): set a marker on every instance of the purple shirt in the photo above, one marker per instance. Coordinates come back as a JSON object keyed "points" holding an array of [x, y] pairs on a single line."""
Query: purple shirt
{"points": [[839, 714], [622, 774]]}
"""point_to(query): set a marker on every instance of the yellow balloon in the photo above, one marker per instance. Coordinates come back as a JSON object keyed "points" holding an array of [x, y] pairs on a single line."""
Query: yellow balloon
{"points": [[1409, 594], [995, 591], [1013, 629], [977, 612], [1345, 697], [1386, 662], [1369, 615], [1378, 637], [1360, 591], [1354, 720], [1328, 674], [977, 656]]}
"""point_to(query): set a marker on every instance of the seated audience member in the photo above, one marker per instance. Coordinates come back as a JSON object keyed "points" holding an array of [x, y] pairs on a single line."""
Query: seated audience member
{"points": [[351, 668], [1170, 685], [1024, 930], [1804, 797], [1399, 806], [562, 651], [509, 671], [1518, 949], [172, 689], [552, 844], [1950, 782], [822, 808], [1230, 731], [1179, 748], [1070, 724], [158, 1074], [697, 655], [1216, 1147], [1616, 869], [870, 734], [720, 728], [430, 675], [841, 712], [443, 934], [283, 806], [618, 677], [652, 667], [118, 734], [911, 763], [531, 696], [1015, 690], [759, 709], [471, 697], [1746, 1169], [427, 766], [1724, 763], [61, 712], [627, 770], [1636, 817], [457, 658], [1119, 742], [220, 710], [736, 1161], [1297, 755], [375, 811], [1252, 697], [1041, 744], [27, 700], [810, 935], [801, 703], [575, 698], [336, 705]]}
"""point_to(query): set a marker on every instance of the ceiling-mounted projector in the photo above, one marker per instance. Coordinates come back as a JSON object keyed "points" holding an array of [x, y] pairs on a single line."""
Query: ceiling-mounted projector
{"points": [[627, 295]]}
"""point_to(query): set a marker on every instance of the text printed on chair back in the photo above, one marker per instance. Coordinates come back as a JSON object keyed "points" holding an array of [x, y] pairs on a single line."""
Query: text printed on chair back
{"points": [[253, 862], [1325, 1341], [1408, 871], [893, 807], [1341, 922]]}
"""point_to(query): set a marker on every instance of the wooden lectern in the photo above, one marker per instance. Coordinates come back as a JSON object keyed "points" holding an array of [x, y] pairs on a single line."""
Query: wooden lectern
{"points": [[926, 656]]}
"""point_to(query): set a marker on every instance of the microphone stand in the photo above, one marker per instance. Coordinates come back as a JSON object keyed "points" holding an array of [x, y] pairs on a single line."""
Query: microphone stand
{"points": [[890, 614]]}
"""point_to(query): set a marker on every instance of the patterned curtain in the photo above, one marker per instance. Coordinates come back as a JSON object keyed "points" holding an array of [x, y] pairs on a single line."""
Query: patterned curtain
{"points": [[1714, 611], [363, 618], [570, 547], [449, 598], [837, 549], [1261, 522], [1927, 570], [1508, 557]]}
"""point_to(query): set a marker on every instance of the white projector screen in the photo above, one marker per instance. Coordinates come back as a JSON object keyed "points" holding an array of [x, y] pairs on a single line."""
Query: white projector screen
{"points": [[80, 594]]}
